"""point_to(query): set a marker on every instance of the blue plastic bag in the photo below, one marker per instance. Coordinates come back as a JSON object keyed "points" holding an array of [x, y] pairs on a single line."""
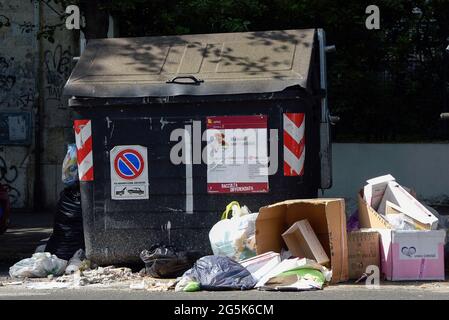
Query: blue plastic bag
{"points": [[218, 273], [70, 166]]}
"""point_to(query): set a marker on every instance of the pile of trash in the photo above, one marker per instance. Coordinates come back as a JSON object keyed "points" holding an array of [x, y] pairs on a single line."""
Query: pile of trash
{"points": [[397, 205], [107, 275], [236, 264], [294, 245], [396, 233], [77, 272]]}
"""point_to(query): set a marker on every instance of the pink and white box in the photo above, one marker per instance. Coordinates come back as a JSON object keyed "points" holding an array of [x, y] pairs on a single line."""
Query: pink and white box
{"points": [[412, 254]]}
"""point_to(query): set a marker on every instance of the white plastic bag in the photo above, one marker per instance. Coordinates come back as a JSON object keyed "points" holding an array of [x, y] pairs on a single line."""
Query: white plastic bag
{"points": [[235, 237], [75, 262], [40, 265]]}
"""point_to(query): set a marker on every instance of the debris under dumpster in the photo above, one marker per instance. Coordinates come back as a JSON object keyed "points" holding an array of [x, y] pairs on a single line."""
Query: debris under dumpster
{"points": [[153, 285], [100, 275], [407, 251], [167, 262]]}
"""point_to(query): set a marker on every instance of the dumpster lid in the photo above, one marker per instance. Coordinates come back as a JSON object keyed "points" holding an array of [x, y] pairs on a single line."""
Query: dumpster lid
{"points": [[207, 64]]}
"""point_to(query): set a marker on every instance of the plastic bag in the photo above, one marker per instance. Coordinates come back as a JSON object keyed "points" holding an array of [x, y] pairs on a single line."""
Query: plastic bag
{"points": [[75, 262], [68, 232], [40, 265], [70, 166], [235, 237], [167, 262], [216, 273]]}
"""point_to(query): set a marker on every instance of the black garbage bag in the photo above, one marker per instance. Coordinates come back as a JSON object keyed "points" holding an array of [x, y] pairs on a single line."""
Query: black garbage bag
{"points": [[220, 273], [68, 235], [163, 261]]}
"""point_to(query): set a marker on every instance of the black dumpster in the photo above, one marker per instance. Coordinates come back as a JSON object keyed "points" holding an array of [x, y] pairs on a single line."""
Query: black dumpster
{"points": [[155, 115]]}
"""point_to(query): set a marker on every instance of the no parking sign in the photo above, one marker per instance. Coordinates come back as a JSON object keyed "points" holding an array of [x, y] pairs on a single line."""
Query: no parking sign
{"points": [[129, 173]]}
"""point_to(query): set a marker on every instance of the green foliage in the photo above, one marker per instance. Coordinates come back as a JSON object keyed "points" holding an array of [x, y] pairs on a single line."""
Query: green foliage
{"points": [[386, 85]]}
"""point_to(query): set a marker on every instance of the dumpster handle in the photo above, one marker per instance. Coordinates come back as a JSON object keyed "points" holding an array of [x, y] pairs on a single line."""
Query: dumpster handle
{"points": [[176, 80]]}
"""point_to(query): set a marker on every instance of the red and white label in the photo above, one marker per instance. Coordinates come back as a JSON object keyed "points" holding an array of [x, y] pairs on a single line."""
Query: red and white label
{"points": [[294, 144], [83, 138], [237, 154]]}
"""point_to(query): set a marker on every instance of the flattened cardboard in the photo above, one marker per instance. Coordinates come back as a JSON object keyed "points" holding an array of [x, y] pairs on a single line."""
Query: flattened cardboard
{"points": [[327, 218], [363, 251], [260, 265], [302, 242]]}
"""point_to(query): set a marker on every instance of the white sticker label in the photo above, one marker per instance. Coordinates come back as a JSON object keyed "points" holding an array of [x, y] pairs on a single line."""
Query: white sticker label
{"points": [[412, 250], [237, 154], [129, 173]]}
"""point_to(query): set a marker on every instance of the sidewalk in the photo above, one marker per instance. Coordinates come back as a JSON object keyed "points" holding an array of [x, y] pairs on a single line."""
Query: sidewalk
{"points": [[23, 236]]}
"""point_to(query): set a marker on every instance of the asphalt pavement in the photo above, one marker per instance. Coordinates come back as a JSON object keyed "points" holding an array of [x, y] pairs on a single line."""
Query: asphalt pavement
{"points": [[391, 291]]}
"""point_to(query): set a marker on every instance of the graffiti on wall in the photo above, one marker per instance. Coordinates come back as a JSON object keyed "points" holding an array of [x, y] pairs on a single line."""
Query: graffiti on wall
{"points": [[8, 175], [58, 66], [17, 82]]}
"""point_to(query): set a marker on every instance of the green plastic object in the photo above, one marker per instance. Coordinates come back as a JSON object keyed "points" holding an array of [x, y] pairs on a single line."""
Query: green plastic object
{"points": [[192, 287]]}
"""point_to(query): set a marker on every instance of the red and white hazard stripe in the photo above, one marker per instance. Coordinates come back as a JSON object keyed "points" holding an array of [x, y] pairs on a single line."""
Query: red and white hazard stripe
{"points": [[83, 138], [294, 144]]}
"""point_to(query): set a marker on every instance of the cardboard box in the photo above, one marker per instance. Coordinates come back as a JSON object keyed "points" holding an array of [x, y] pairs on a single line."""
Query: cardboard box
{"points": [[302, 242], [327, 218], [405, 254], [363, 251], [412, 255], [368, 217]]}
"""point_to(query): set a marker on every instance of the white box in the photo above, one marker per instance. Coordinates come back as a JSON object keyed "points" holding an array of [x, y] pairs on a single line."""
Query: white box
{"points": [[375, 189], [408, 204]]}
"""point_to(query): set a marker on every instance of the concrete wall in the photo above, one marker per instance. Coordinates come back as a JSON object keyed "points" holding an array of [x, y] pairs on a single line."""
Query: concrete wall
{"points": [[22, 66], [423, 167]]}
